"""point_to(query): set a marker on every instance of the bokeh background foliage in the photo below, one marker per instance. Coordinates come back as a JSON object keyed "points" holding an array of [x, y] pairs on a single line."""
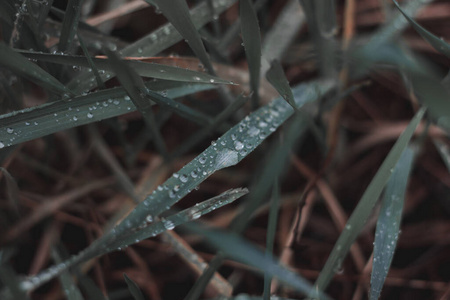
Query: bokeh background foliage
{"points": [[173, 149]]}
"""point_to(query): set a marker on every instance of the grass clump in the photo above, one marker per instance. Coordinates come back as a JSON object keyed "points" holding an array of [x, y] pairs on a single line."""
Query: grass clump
{"points": [[114, 150]]}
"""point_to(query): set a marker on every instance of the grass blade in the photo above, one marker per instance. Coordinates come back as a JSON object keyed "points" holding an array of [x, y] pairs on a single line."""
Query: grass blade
{"points": [[133, 288], [31, 123], [236, 248], [437, 43], [275, 75], [70, 25], [12, 190], [134, 86], [363, 209], [227, 151], [388, 224], [9, 279], [158, 40], [177, 12], [23, 67], [144, 69], [68, 285], [444, 151], [252, 44]]}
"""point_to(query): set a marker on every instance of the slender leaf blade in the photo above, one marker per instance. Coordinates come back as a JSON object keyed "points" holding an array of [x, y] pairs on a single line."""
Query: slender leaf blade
{"points": [[21, 66], [362, 211], [177, 12], [133, 288], [437, 43], [252, 44], [70, 25], [275, 75], [388, 225]]}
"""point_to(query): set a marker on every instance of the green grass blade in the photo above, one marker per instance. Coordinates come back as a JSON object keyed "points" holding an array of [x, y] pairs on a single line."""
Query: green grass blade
{"points": [[31, 123], [135, 88], [236, 248], [388, 224], [21, 66], [12, 190], [252, 44], [158, 40], [271, 231], [69, 287], [9, 279], [227, 151], [70, 25], [153, 228], [275, 75], [177, 12], [91, 64], [133, 288], [362, 211], [144, 69], [437, 43]]}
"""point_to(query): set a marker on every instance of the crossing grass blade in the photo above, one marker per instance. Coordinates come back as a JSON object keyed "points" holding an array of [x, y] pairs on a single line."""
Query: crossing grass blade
{"points": [[227, 151], [144, 69], [444, 151], [387, 231], [12, 190], [157, 41], [70, 25], [31, 123], [135, 88], [177, 12], [275, 75], [19, 65], [437, 43], [365, 206], [69, 287], [252, 44], [133, 288], [236, 248]]}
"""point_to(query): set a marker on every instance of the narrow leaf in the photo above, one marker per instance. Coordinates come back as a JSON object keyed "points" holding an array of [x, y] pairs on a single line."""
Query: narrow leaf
{"points": [[387, 231], [23, 67], [252, 44], [444, 151], [238, 249], [144, 69], [365, 206], [133, 288], [68, 284], [437, 43], [275, 75], [177, 12], [70, 25], [134, 85]]}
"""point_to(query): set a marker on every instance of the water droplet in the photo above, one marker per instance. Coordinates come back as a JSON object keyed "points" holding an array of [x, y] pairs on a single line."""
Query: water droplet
{"points": [[348, 226], [238, 145], [90, 116], [139, 50], [2, 145], [169, 225], [75, 118], [212, 80], [149, 219], [9, 130], [183, 178], [253, 131], [194, 174], [262, 124], [202, 160], [226, 158], [196, 78]]}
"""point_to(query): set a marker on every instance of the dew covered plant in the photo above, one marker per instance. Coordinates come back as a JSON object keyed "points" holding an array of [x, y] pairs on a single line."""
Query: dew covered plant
{"points": [[215, 129]]}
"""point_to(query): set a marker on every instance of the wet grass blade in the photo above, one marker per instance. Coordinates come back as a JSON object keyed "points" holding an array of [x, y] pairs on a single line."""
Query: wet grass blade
{"points": [[70, 25], [365, 206], [18, 64], [91, 64], [158, 40], [236, 144], [133, 288], [31, 123], [275, 75], [177, 12], [9, 278], [388, 225], [69, 287], [437, 43], [252, 44], [236, 248], [144, 69], [12, 190], [135, 88]]}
